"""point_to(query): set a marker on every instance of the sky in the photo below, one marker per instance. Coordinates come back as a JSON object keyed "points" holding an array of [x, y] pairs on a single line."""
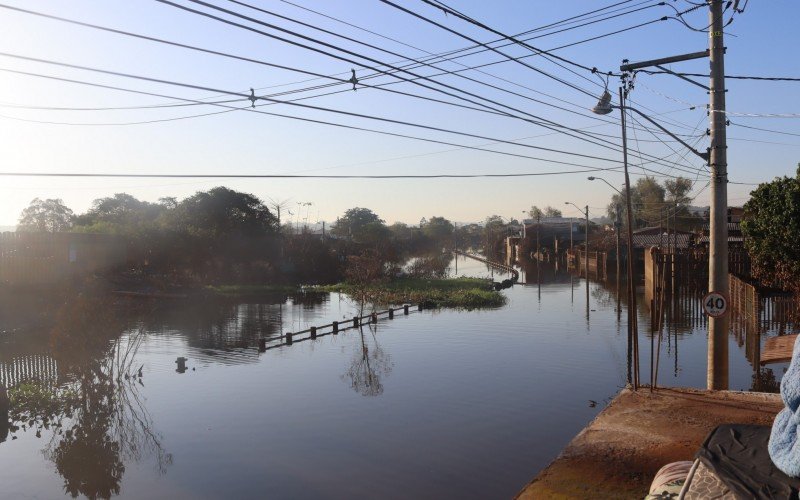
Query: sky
{"points": [[759, 43]]}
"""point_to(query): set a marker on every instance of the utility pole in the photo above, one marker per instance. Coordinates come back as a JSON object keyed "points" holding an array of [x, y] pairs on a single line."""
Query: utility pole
{"points": [[618, 227], [633, 334], [718, 234], [586, 257]]}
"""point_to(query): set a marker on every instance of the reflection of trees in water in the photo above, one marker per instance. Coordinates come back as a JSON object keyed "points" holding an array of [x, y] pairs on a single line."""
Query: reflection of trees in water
{"points": [[764, 381], [97, 421], [369, 365], [224, 325]]}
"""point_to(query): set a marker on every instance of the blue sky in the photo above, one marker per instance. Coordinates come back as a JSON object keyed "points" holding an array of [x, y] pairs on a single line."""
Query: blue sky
{"points": [[246, 143]]}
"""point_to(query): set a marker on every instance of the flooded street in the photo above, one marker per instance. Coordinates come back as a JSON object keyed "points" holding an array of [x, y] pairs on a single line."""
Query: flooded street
{"points": [[457, 404]]}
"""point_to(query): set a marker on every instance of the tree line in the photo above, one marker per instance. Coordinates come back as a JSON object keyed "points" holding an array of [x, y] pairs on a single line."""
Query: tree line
{"points": [[226, 236]]}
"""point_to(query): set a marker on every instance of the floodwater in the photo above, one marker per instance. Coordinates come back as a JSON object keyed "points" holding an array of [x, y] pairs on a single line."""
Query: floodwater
{"points": [[437, 404]]}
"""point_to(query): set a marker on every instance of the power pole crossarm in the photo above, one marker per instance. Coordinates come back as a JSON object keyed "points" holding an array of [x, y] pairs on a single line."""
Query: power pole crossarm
{"points": [[663, 60]]}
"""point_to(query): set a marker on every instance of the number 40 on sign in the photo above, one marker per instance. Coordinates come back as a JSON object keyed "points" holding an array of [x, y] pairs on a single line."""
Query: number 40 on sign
{"points": [[715, 304]]}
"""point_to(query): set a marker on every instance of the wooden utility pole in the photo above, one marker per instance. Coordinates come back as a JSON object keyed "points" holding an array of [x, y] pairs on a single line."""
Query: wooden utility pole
{"points": [[718, 234], [618, 227], [586, 257]]}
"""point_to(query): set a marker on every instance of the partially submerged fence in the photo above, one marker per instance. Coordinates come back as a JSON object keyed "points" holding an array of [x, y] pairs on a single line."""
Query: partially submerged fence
{"points": [[40, 368], [597, 264], [333, 328], [50, 258]]}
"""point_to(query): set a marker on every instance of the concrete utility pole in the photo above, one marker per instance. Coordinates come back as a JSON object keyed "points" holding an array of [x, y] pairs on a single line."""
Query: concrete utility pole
{"points": [[718, 234]]}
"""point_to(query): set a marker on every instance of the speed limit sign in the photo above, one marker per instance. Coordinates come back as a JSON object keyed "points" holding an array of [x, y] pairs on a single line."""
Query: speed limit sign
{"points": [[715, 304]]}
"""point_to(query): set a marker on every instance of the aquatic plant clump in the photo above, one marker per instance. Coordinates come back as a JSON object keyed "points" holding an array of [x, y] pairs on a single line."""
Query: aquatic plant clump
{"points": [[459, 293]]}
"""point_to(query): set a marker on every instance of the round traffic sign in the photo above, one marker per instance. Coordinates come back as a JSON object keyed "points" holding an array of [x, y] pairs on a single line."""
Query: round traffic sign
{"points": [[715, 304]]}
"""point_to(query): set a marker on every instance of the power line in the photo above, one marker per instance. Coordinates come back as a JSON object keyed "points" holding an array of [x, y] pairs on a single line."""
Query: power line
{"points": [[345, 126], [555, 124], [412, 80], [765, 129], [316, 74], [305, 106], [180, 45], [560, 80], [406, 58], [317, 108], [310, 120], [285, 176], [730, 77]]}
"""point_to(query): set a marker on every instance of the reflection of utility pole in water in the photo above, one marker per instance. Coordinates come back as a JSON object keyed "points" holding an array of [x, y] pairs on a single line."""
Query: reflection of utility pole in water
{"points": [[572, 288], [618, 227], [587, 299]]}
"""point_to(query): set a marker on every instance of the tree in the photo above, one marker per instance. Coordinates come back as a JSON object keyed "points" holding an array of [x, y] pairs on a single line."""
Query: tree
{"points": [[678, 190], [535, 212], [439, 230], [678, 201], [647, 202], [221, 212], [120, 214], [552, 212], [358, 224], [46, 216], [771, 227]]}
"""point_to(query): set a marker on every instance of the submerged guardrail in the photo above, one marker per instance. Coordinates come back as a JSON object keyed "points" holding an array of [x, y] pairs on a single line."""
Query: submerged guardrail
{"points": [[335, 327], [497, 285]]}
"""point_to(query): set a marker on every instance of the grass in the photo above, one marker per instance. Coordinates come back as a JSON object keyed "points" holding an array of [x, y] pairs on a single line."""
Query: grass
{"points": [[460, 293]]}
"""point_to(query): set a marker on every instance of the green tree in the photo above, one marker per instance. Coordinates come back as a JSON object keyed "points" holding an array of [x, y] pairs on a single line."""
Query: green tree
{"points": [[439, 230], [535, 212], [647, 202], [361, 225], [120, 214], [678, 200], [46, 216], [552, 212], [771, 227], [221, 212]]}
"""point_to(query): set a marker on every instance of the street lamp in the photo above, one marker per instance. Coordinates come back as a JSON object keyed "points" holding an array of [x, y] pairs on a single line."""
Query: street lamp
{"points": [[586, 256], [609, 184]]}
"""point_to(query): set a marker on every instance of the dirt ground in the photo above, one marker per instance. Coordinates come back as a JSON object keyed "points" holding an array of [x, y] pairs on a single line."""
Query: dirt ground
{"points": [[618, 454]]}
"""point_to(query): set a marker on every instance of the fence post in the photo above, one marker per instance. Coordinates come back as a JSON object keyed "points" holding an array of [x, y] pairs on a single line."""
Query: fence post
{"points": [[313, 332], [335, 326], [405, 309], [288, 338]]}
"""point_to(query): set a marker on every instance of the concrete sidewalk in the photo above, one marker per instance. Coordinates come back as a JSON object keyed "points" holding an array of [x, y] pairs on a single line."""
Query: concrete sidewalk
{"points": [[619, 452]]}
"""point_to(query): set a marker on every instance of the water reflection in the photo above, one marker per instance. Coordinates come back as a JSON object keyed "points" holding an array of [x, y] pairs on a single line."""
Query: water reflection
{"points": [[369, 365], [95, 421], [454, 375]]}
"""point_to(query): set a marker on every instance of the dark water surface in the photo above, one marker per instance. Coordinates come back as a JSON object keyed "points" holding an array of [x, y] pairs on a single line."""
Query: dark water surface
{"points": [[440, 404]]}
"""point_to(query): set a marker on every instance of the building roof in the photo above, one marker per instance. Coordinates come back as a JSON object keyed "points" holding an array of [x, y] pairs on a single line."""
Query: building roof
{"points": [[680, 240], [656, 230]]}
